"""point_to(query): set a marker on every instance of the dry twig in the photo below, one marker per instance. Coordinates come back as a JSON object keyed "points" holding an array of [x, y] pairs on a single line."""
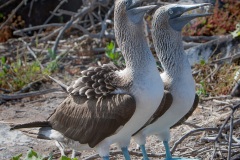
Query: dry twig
{"points": [[30, 94]]}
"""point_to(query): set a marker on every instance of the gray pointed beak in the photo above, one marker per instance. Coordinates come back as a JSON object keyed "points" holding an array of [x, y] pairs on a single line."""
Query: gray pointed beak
{"points": [[137, 3], [143, 9], [136, 14], [178, 20]]}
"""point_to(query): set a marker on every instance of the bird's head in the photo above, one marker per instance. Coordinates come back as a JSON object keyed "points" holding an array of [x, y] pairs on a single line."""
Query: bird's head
{"points": [[132, 10], [173, 15]]}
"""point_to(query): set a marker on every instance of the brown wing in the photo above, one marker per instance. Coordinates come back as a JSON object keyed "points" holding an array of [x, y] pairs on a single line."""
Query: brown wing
{"points": [[95, 82], [163, 107], [91, 121], [190, 112]]}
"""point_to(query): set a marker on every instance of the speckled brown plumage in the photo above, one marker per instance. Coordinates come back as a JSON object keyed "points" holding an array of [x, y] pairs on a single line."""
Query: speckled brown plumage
{"points": [[91, 120], [96, 82]]}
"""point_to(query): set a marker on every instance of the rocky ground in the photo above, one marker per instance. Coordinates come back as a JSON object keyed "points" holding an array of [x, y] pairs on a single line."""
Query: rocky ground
{"points": [[208, 114]]}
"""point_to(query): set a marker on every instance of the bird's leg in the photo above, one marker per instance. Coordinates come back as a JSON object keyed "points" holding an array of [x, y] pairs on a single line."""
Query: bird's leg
{"points": [[167, 149], [169, 155], [125, 153], [144, 153], [60, 147], [105, 158], [73, 154]]}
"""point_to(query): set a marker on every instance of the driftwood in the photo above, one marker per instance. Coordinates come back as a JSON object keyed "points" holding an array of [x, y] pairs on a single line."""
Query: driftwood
{"points": [[30, 94], [218, 45]]}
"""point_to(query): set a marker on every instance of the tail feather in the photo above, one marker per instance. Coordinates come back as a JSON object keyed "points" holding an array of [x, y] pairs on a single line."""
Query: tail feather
{"points": [[31, 125], [36, 133]]}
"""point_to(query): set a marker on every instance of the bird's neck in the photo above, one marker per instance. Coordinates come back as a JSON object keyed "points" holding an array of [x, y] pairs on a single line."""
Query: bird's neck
{"points": [[170, 51], [133, 44]]}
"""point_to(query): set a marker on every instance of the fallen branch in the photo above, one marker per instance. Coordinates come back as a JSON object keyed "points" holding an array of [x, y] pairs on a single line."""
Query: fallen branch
{"points": [[199, 39], [218, 97], [20, 32], [231, 58], [7, 3], [188, 134], [30, 94], [206, 50], [69, 23], [33, 54]]}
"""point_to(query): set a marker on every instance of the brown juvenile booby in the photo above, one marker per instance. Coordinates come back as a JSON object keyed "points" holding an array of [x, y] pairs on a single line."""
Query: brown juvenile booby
{"points": [[167, 24], [108, 105]]}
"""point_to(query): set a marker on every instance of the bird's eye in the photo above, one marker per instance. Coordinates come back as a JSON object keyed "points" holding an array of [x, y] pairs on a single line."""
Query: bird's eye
{"points": [[126, 2], [170, 11]]}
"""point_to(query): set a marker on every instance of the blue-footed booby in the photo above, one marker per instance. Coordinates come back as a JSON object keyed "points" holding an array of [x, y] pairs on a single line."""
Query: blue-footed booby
{"points": [[167, 24], [107, 105]]}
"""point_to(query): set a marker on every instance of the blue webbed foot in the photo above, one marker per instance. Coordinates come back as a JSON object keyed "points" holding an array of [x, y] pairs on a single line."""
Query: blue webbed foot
{"points": [[169, 155], [105, 158]]}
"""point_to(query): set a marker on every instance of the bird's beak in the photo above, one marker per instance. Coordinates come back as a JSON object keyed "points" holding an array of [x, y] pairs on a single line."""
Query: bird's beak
{"points": [[178, 20], [136, 11]]}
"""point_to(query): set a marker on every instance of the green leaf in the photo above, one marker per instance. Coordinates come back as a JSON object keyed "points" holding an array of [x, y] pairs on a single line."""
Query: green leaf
{"points": [[202, 62], [65, 158], [31, 154], [236, 33], [17, 157], [3, 60], [52, 54], [1, 15], [19, 63], [50, 156]]}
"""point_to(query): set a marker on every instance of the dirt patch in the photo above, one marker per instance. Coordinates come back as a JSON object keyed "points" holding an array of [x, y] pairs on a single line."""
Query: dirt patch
{"points": [[206, 115]]}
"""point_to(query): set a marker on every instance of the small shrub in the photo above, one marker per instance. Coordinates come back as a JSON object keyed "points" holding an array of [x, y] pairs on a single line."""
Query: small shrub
{"points": [[223, 20], [215, 80], [111, 53], [14, 75], [32, 155]]}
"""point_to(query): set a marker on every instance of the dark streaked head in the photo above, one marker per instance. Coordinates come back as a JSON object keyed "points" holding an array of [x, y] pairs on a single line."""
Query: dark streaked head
{"points": [[173, 15], [129, 28], [131, 10]]}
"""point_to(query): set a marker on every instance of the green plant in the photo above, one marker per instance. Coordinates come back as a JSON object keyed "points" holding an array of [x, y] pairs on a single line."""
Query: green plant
{"points": [[32, 155], [15, 75], [52, 54], [1, 16], [215, 79], [201, 91], [202, 62], [223, 20], [66, 158], [51, 67], [112, 54], [16, 157], [236, 33]]}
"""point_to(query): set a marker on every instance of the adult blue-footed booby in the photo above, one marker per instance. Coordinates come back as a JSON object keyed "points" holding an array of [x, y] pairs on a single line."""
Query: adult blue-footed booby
{"points": [[167, 24], [108, 105]]}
